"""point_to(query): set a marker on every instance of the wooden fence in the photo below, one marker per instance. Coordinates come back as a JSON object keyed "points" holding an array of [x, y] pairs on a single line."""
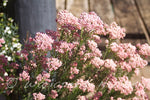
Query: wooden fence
{"points": [[133, 15]]}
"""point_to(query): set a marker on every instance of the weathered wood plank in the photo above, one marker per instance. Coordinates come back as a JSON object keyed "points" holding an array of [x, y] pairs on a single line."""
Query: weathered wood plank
{"points": [[104, 9], [134, 41], [144, 6], [77, 6], [60, 5], [126, 15]]}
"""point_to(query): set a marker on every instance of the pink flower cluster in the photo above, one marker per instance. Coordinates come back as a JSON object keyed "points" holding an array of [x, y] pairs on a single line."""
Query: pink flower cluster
{"points": [[24, 76], [97, 96], [64, 47], [144, 49], [73, 70], [53, 63], [123, 50], [85, 85], [69, 86], [146, 83], [43, 41], [38, 96], [94, 48], [1, 41], [140, 91], [97, 38], [97, 62], [91, 22], [92, 44], [43, 77], [65, 18], [53, 94], [115, 31], [112, 98], [82, 98], [122, 84], [110, 64], [136, 61]]}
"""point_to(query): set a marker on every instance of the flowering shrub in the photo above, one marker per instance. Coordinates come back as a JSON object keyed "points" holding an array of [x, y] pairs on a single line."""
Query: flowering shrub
{"points": [[68, 64], [8, 32]]}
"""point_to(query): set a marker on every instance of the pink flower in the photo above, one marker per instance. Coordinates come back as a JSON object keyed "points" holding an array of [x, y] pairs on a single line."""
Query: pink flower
{"points": [[38, 96], [81, 98], [97, 62], [115, 31], [53, 94], [59, 86], [85, 85], [123, 50], [92, 45], [24, 76], [111, 98], [135, 98], [64, 47], [64, 18], [39, 78], [69, 86], [96, 52], [1, 41], [136, 71], [120, 98], [43, 41], [97, 95], [74, 70], [123, 85], [114, 47], [96, 38], [1, 79], [43, 77], [53, 63], [136, 61], [91, 23], [146, 82], [110, 64], [140, 91], [46, 75], [82, 50], [144, 49], [71, 76], [125, 66], [75, 64], [139, 86]]}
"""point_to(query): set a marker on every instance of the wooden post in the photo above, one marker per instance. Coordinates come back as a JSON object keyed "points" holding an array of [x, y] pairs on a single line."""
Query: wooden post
{"points": [[35, 16]]}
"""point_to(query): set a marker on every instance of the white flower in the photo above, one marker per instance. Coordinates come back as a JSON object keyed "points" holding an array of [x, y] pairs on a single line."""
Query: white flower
{"points": [[9, 32], [6, 47], [10, 19], [4, 4], [17, 45], [14, 39], [11, 48], [8, 58], [3, 52], [7, 28], [5, 74]]}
